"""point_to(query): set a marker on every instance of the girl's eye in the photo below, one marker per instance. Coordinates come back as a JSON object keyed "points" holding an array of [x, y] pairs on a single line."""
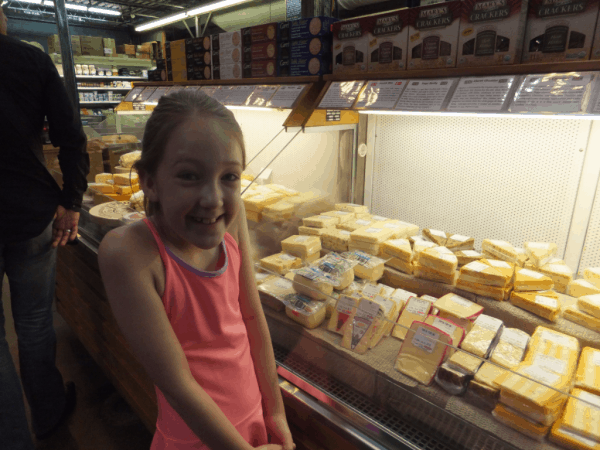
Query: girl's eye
{"points": [[187, 176], [231, 177]]}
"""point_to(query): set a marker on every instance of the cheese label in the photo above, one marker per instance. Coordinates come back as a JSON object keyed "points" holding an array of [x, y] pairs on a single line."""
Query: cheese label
{"points": [[325, 217], [586, 284], [425, 339], [515, 338], [346, 304], [301, 239], [541, 375], [596, 359], [311, 274], [388, 305], [577, 437], [365, 314], [341, 213], [502, 264], [286, 257], [471, 253], [531, 273], [459, 237], [261, 276], [379, 218], [429, 298], [546, 301], [556, 338], [283, 284], [477, 266], [489, 323], [344, 232], [371, 290], [418, 306], [401, 294], [594, 400], [437, 233], [550, 364], [461, 301], [372, 230], [444, 251], [538, 245], [558, 268], [392, 225], [445, 326], [362, 222]]}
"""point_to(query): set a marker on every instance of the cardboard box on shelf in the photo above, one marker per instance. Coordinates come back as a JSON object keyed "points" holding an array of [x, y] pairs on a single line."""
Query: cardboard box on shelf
{"points": [[227, 71], [201, 44], [350, 46], [126, 49], [433, 35], [92, 46], [199, 73], [259, 51], [76, 45], [226, 48], [259, 33], [559, 30], [314, 65], [53, 44], [388, 41], [198, 59], [319, 45], [140, 55], [310, 27], [260, 69], [110, 49], [283, 67], [491, 32]]}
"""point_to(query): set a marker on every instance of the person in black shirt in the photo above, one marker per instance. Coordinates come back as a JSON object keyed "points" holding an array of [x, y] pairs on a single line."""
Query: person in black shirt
{"points": [[36, 216]]}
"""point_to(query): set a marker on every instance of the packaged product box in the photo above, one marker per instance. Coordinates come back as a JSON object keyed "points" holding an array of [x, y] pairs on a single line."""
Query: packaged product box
{"points": [[302, 48], [226, 48], [157, 75], [433, 35], [198, 59], [283, 67], [110, 49], [200, 44], [310, 27], [161, 64], [53, 44], [596, 45], [559, 30], [92, 46], [126, 49], [350, 46], [259, 33], [199, 73], [176, 60], [388, 41], [315, 65], [227, 71], [491, 32], [259, 69], [76, 45], [259, 51]]}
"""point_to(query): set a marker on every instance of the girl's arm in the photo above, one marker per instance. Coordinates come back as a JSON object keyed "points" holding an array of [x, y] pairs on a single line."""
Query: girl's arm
{"points": [[140, 314]]}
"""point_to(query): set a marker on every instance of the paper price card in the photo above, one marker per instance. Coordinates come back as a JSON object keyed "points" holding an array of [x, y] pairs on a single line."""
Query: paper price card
{"points": [[286, 96], [596, 106], [145, 95], [174, 89], [481, 94], [238, 95], [134, 94], [158, 94], [222, 94], [425, 95], [565, 93], [261, 95], [341, 94], [381, 94], [192, 88], [209, 90]]}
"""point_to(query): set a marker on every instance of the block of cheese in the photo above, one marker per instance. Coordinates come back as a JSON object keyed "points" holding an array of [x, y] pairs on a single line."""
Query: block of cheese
{"points": [[422, 352], [451, 380], [528, 280], [482, 338], [458, 309], [385, 319], [128, 159], [398, 248], [464, 362], [302, 198], [320, 221], [311, 231], [439, 258], [400, 296], [467, 256], [437, 236], [579, 288], [504, 267], [480, 273], [542, 303], [307, 312], [481, 394], [103, 188], [519, 422], [587, 376], [258, 202], [570, 440], [103, 177], [488, 373], [246, 194], [511, 348], [301, 246], [561, 275], [540, 253], [371, 235], [575, 315], [260, 278], [371, 249], [357, 336], [311, 258], [351, 207], [590, 304], [330, 305], [521, 256], [126, 179], [416, 309], [371, 290], [400, 229], [282, 189], [368, 268], [136, 201], [493, 292], [544, 338], [313, 283], [582, 414], [427, 273], [279, 211], [591, 274], [338, 270], [343, 314], [273, 291], [123, 190], [355, 224], [420, 246], [500, 250], [335, 239], [281, 263], [455, 331], [458, 242], [343, 216], [254, 216], [405, 267]]}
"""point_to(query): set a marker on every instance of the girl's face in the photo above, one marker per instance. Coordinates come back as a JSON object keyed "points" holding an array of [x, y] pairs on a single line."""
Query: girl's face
{"points": [[197, 184]]}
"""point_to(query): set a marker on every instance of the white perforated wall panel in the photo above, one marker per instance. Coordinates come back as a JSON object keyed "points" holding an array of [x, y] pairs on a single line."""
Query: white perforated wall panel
{"points": [[510, 179], [590, 256]]}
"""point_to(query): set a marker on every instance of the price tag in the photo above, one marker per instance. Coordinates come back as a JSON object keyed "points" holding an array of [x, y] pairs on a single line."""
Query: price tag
{"points": [[261, 95], [346, 304], [418, 306], [515, 337], [222, 93], [381, 94], [158, 94], [108, 51], [209, 90], [489, 323], [425, 95], [445, 326], [371, 290], [546, 301], [238, 95], [477, 266], [286, 96], [134, 94], [341, 94], [461, 301], [425, 339], [471, 253], [475, 94], [496, 263]]}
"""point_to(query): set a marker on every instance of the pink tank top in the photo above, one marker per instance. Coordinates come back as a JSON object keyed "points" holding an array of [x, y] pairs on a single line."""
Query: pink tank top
{"points": [[204, 311]]}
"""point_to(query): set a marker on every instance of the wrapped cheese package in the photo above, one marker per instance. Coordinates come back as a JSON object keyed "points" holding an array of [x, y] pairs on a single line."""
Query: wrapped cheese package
{"points": [[398, 264], [308, 313], [575, 315], [493, 292], [582, 414], [529, 280], [343, 216], [281, 263], [517, 421], [451, 380], [499, 250], [313, 283], [371, 235], [487, 375], [343, 314], [422, 352], [427, 273], [335, 239], [455, 331], [301, 246], [400, 296], [521, 256], [400, 229], [440, 259], [320, 221], [385, 319], [591, 274], [511, 347], [369, 267], [371, 249], [437, 236], [540, 253], [542, 303], [351, 207], [458, 242], [481, 340], [505, 268], [467, 256], [338, 270], [458, 309], [398, 248], [359, 333], [416, 309], [590, 304], [330, 304], [561, 275], [464, 362], [587, 376], [570, 440], [354, 224], [260, 278], [579, 288], [273, 291], [480, 273]]}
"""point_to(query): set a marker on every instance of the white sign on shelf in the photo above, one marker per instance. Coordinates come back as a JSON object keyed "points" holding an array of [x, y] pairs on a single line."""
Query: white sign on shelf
{"points": [[261, 95], [222, 93], [239, 94], [134, 94], [425, 95], [160, 91], [481, 94], [565, 93], [175, 89], [209, 90], [286, 96], [381, 94], [341, 94], [193, 88]]}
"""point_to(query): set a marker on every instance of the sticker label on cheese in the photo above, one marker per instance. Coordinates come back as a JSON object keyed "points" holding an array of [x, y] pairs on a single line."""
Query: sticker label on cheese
{"points": [[401, 294], [309, 273], [388, 305], [371, 290], [496, 263], [425, 339], [596, 359], [546, 301], [577, 437], [489, 323], [559, 268], [379, 218], [538, 245], [365, 314], [362, 222], [418, 306], [437, 233], [346, 304], [461, 301], [341, 213], [392, 225], [541, 375], [471, 253], [372, 230], [515, 338], [283, 284], [429, 298], [444, 251], [551, 364], [286, 257], [531, 273], [592, 399], [344, 233], [445, 326], [477, 266], [556, 338], [459, 237], [301, 239]]}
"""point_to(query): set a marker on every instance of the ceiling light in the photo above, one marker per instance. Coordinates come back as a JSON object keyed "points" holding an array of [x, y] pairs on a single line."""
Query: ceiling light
{"points": [[214, 6], [74, 6], [163, 21], [35, 2], [47, 3], [108, 12]]}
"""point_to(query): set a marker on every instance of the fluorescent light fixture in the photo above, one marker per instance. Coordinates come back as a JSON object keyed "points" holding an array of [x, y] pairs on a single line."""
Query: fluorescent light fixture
{"points": [[248, 108], [108, 12], [35, 2], [74, 6], [189, 13], [496, 115], [47, 3]]}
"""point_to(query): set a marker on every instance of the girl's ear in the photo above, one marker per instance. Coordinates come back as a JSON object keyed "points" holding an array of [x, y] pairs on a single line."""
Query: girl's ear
{"points": [[148, 185]]}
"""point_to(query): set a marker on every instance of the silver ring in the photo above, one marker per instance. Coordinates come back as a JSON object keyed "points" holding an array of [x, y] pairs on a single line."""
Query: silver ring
{"points": [[68, 231]]}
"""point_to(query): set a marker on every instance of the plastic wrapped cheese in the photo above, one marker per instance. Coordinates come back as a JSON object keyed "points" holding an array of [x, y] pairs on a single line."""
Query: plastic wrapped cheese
{"points": [[458, 242], [335, 239], [305, 311], [543, 338], [422, 352], [371, 235], [561, 275], [369, 267], [591, 274], [500, 250], [570, 440], [519, 422], [493, 292], [337, 269], [320, 221], [103, 177], [481, 340], [398, 248], [521, 256], [351, 207], [579, 288], [590, 304], [420, 246], [587, 376], [416, 309], [343, 216], [400, 229], [357, 335], [427, 273], [356, 224], [385, 320], [540, 253], [281, 210], [330, 304], [458, 309], [258, 202], [582, 414], [529, 280], [395, 263], [480, 273], [451, 380], [313, 283], [371, 249], [440, 259], [575, 315], [464, 362], [505, 268], [511, 348], [311, 231], [488, 373], [483, 395], [542, 303], [400, 296], [437, 236], [301, 246], [467, 256], [273, 291], [455, 331], [343, 314], [281, 263]]}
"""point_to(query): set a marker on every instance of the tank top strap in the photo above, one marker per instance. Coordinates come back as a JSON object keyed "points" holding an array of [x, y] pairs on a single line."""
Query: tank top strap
{"points": [[161, 246]]}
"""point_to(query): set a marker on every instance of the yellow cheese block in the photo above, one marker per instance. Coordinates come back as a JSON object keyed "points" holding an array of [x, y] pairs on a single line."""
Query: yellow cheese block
{"points": [[592, 274], [579, 288], [368, 268], [416, 309], [575, 315], [338, 270], [540, 253], [458, 309], [542, 303], [301, 246], [440, 259], [282, 209], [455, 331], [311, 258], [355, 224], [371, 290], [590, 304], [400, 296], [343, 216], [570, 440], [357, 336], [561, 275], [254, 216], [422, 352], [310, 281], [335, 239], [528, 280], [398, 264], [311, 231], [282, 189], [500, 250], [281, 263], [587, 376], [123, 190], [276, 289], [103, 178], [128, 159], [371, 249], [103, 188], [126, 179], [308, 313], [398, 248], [343, 314], [480, 339], [467, 256], [511, 348], [464, 362], [458, 242], [582, 414], [320, 221], [493, 292], [488, 373], [258, 203], [371, 235], [505, 268], [480, 273], [427, 273], [544, 338], [521, 256], [436, 236], [385, 320], [400, 229], [513, 419], [351, 207]]}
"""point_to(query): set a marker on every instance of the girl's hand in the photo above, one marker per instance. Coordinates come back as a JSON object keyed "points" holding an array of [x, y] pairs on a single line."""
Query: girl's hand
{"points": [[279, 430]]}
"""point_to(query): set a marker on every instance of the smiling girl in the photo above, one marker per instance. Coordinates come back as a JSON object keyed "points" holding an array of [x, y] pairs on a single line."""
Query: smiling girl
{"points": [[181, 286]]}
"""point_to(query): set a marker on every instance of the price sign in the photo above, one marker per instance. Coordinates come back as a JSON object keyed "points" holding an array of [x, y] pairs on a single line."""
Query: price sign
{"points": [[261, 95], [239, 94], [286, 96], [341, 95], [134, 94], [381, 94], [160, 91], [481, 94], [209, 90], [425, 95]]}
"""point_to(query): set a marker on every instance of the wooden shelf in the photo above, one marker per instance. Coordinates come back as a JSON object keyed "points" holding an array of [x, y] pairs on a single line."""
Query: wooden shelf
{"points": [[244, 81], [96, 77], [103, 88]]}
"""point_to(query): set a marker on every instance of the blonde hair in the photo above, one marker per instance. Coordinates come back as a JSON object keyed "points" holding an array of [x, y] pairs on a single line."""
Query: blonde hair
{"points": [[173, 110]]}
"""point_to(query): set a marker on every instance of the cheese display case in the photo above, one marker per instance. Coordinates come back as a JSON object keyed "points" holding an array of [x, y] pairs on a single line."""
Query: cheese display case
{"points": [[407, 310]]}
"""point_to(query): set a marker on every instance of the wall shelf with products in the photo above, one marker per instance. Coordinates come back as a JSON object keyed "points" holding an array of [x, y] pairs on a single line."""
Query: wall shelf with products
{"points": [[96, 77], [103, 88]]}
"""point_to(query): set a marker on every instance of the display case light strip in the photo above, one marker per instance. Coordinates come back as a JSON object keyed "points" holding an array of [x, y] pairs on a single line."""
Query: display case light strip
{"points": [[248, 108], [496, 115]]}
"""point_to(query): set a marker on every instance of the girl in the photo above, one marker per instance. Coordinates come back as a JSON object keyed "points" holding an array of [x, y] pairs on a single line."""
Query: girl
{"points": [[181, 286]]}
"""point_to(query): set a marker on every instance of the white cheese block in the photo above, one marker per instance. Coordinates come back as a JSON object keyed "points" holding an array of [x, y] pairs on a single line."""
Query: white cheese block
{"points": [[579, 288], [540, 253], [480, 273], [416, 309], [500, 250], [480, 340], [590, 304]]}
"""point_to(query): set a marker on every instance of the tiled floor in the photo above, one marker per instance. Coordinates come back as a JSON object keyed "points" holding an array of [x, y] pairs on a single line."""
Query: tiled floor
{"points": [[102, 419]]}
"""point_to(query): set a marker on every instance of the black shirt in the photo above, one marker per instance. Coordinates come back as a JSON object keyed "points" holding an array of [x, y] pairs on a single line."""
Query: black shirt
{"points": [[30, 88]]}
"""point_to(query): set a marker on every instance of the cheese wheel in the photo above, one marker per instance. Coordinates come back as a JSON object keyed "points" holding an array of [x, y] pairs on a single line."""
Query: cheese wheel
{"points": [[124, 179]]}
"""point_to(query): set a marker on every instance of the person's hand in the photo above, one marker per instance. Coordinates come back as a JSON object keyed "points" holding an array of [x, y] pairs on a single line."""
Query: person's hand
{"points": [[64, 227], [279, 430], [270, 447]]}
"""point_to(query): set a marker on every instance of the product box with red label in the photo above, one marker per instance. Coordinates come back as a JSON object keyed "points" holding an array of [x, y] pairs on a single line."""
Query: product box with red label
{"points": [[559, 30], [491, 32], [260, 33], [433, 35], [260, 51], [227, 48], [388, 41], [260, 69], [596, 45], [350, 46], [227, 71]]}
